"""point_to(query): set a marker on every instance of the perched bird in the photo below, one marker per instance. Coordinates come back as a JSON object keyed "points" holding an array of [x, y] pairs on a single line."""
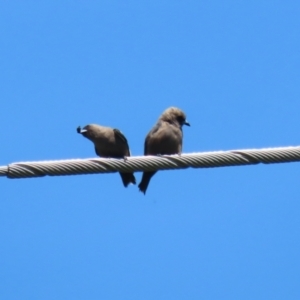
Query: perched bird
{"points": [[164, 138], [109, 142]]}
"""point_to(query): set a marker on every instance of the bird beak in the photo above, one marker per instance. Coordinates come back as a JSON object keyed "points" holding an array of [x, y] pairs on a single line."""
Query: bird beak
{"points": [[187, 123], [79, 130]]}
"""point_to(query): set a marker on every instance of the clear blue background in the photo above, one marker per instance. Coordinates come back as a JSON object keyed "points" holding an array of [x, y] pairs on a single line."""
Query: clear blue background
{"points": [[225, 233]]}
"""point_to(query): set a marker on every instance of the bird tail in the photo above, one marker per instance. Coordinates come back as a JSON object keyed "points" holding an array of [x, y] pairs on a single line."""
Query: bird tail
{"points": [[127, 178], [145, 181]]}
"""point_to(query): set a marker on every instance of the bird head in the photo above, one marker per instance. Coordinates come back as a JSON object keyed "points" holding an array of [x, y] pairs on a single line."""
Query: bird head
{"points": [[175, 116], [88, 131]]}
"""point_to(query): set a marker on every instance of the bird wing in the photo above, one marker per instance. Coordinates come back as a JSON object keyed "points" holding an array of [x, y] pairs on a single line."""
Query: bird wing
{"points": [[149, 136], [120, 136], [97, 151], [145, 145], [121, 139]]}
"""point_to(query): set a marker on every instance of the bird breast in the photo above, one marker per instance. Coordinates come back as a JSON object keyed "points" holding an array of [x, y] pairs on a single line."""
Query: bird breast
{"points": [[166, 140]]}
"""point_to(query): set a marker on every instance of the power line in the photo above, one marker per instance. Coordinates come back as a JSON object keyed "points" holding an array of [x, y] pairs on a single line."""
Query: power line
{"points": [[151, 163]]}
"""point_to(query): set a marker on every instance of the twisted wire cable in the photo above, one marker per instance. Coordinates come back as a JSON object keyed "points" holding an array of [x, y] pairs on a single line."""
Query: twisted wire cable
{"points": [[151, 163]]}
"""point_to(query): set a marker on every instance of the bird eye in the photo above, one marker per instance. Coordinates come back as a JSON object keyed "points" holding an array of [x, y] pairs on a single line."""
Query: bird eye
{"points": [[180, 119]]}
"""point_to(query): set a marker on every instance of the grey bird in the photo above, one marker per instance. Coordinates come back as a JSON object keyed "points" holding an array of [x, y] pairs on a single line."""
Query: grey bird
{"points": [[109, 142], [164, 138]]}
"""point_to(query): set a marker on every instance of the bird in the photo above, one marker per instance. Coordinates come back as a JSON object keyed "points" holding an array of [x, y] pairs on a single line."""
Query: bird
{"points": [[164, 138], [109, 142]]}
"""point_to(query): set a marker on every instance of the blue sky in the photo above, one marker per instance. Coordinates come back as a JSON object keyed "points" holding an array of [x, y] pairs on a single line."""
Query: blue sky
{"points": [[225, 233]]}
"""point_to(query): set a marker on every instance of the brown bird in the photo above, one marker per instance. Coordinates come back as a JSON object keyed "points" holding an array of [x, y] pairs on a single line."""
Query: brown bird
{"points": [[109, 142], [164, 138]]}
